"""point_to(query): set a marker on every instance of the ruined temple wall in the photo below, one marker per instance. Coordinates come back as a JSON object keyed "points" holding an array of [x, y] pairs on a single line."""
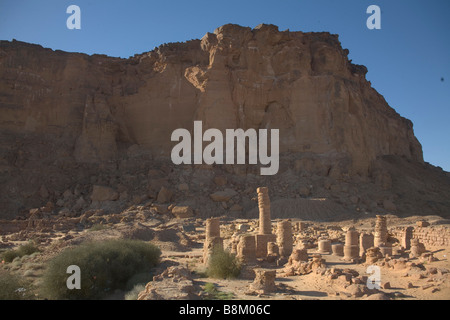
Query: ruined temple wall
{"points": [[429, 236]]}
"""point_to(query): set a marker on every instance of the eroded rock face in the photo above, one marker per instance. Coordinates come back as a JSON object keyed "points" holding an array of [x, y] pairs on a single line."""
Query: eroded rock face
{"points": [[300, 83], [71, 111]]}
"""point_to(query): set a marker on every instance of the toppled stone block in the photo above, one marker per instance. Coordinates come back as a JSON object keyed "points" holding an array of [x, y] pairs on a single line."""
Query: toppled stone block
{"points": [[422, 223], [264, 281], [223, 196], [164, 195], [182, 212], [174, 283], [102, 193]]}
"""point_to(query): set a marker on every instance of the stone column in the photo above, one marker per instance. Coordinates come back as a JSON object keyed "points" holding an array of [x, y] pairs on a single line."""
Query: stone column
{"points": [[417, 248], [299, 255], [261, 241], [380, 231], [284, 238], [406, 238], [208, 247], [351, 248], [272, 249], [372, 255], [264, 235], [273, 252], [264, 280], [337, 249], [365, 242], [324, 246], [265, 224], [212, 227], [212, 238], [246, 248]]}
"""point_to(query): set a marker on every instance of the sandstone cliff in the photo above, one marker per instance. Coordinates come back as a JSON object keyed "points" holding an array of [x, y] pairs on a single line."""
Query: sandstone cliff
{"points": [[69, 121]]}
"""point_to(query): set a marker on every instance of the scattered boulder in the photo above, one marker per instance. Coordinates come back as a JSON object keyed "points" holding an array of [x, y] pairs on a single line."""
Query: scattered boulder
{"points": [[103, 193], [389, 205], [304, 191], [378, 296], [220, 180], [183, 187], [182, 212], [43, 192], [264, 281], [422, 223], [386, 285], [174, 283], [164, 195], [223, 196]]}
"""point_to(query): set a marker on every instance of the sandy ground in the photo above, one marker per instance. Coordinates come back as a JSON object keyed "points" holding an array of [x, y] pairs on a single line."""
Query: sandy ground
{"points": [[304, 287], [317, 287]]}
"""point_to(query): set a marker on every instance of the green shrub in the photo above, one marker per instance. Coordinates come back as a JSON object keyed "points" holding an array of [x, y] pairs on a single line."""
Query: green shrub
{"points": [[214, 294], [23, 250], [137, 279], [133, 293], [104, 267], [9, 255], [27, 249], [13, 288], [223, 264], [97, 227]]}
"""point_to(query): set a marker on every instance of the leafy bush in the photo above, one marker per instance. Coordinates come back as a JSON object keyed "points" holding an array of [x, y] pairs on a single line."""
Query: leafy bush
{"points": [[97, 227], [138, 279], [23, 250], [13, 288], [223, 264], [104, 267], [214, 294], [9, 255], [133, 293], [27, 249]]}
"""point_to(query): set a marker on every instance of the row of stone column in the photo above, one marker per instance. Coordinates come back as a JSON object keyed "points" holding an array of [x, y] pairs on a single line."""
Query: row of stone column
{"points": [[265, 243], [251, 247], [356, 244], [262, 244]]}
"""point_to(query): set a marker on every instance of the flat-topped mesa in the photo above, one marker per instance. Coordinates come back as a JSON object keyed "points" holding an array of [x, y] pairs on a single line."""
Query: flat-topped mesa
{"points": [[179, 81], [94, 110]]}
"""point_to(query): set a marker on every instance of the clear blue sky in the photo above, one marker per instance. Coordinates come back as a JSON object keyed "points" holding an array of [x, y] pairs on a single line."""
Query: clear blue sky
{"points": [[406, 59]]}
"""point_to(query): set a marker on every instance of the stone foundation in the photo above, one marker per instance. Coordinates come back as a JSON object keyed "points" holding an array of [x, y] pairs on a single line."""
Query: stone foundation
{"points": [[264, 281]]}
